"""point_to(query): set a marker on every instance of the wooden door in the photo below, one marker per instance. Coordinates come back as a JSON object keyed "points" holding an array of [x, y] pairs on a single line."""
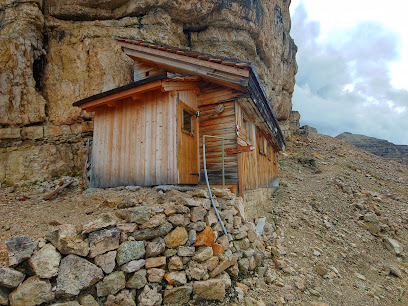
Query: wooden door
{"points": [[187, 144]]}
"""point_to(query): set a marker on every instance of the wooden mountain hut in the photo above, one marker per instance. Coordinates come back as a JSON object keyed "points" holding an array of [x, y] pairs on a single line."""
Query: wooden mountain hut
{"points": [[151, 132]]}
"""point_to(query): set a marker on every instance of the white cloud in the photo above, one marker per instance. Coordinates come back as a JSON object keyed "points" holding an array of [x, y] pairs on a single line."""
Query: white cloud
{"points": [[344, 82]]}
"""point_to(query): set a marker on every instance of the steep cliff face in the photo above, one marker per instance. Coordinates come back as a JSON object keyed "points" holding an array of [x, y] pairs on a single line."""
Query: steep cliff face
{"points": [[376, 146], [55, 52]]}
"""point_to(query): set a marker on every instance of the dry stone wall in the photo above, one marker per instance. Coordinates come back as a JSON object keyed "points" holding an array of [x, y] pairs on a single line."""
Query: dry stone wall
{"points": [[53, 53], [167, 253]]}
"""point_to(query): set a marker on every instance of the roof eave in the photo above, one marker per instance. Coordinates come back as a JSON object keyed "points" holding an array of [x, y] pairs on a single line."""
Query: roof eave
{"points": [[261, 101], [122, 88]]}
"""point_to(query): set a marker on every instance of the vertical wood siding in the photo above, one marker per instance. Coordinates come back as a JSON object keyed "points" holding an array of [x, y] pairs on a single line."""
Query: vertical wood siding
{"points": [[256, 170], [135, 142], [222, 125]]}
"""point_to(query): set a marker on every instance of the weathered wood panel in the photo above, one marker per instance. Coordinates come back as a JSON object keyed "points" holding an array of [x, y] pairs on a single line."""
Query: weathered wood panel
{"points": [[135, 142], [258, 168], [221, 125], [187, 143]]}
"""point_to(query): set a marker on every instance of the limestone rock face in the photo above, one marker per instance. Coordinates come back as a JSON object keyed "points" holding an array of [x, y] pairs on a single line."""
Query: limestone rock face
{"points": [[376, 146], [56, 52]]}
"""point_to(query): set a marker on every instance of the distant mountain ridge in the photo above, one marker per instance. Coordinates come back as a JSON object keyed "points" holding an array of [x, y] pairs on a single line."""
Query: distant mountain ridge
{"points": [[376, 146]]}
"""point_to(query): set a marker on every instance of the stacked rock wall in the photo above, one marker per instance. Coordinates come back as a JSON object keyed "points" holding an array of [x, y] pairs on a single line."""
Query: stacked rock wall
{"points": [[165, 253], [56, 52]]}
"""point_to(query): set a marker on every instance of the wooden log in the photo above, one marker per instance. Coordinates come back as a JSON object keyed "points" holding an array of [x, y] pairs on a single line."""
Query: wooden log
{"points": [[49, 196]]}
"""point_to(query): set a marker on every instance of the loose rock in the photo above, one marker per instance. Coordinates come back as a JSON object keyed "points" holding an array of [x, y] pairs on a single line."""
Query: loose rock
{"points": [[10, 278], [67, 240], [45, 262], [104, 240], [206, 237], [19, 249], [138, 280], [33, 291], [76, 274], [177, 295], [212, 289], [139, 214], [393, 246], [175, 263], [87, 300], [111, 284], [156, 247], [155, 262], [177, 237], [103, 221], [150, 233], [176, 278], [130, 250], [106, 262], [155, 275], [203, 253], [150, 296], [133, 266]]}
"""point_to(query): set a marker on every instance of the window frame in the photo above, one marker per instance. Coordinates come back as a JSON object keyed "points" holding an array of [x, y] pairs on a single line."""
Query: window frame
{"points": [[247, 124], [191, 114]]}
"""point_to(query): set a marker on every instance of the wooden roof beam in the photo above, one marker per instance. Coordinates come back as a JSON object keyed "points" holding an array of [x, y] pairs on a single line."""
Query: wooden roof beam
{"points": [[220, 77], [134, 93], [186, 59]]}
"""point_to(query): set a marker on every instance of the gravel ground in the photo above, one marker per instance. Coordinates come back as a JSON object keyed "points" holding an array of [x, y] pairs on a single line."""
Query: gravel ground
{"points": [[335, 206]]}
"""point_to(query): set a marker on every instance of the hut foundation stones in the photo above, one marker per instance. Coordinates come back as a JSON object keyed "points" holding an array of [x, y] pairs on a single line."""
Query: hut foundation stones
{"points": [[149, 254]]}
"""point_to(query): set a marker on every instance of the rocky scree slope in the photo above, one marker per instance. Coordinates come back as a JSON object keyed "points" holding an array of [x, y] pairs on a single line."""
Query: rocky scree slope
{"points": [[56, 52], [380, 147], [342, 227], [339, 231]]}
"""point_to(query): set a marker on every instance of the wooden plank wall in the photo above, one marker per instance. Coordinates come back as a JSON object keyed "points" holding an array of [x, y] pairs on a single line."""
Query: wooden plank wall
{"points": [[255, 169], [222, 125], [135, 142]]}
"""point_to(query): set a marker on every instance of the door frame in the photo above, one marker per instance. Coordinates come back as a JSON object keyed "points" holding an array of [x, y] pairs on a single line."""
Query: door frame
{"points": [[195, 125]]}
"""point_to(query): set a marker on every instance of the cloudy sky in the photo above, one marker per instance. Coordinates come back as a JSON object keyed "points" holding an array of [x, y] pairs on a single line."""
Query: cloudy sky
{"points": [[353, 66]]}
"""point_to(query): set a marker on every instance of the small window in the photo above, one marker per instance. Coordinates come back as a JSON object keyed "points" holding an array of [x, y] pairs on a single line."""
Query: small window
{"points": [[247, 126], [187, 122], [263, 145]]}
